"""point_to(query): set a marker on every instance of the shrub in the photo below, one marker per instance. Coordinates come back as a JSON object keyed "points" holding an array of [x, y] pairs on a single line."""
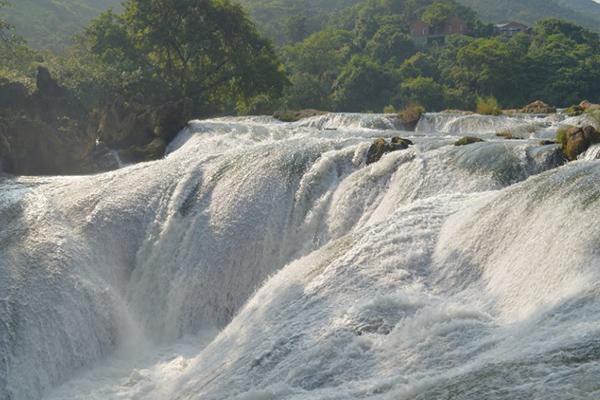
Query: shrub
{"points": [[411, 114], [488, 105], [389, 109], [561, 135]]}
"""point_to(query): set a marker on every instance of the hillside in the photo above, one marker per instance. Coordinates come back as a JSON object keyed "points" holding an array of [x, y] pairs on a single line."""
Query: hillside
{"points": [[282, 20], [583, 12], [51, 24]]}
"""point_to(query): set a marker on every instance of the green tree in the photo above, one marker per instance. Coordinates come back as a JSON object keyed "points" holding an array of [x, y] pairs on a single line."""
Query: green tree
{"points": [[208, 51], [362, 85], [390, 43], [424, 91]]}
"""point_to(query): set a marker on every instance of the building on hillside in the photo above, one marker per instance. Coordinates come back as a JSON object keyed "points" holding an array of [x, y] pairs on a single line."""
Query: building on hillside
{"points": [[424, 35], [510, 28]]}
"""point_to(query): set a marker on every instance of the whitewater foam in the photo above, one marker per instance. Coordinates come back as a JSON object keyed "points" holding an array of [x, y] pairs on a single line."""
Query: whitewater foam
{"points": [[265, 260]]}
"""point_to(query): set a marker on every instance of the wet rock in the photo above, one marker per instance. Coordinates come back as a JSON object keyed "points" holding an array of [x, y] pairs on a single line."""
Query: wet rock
{"points": [[170, 118], [468, 140], [547, 142], [574, 111], [151, 151], [538, 107], [293, 116], [576, 140], [381, 146]]}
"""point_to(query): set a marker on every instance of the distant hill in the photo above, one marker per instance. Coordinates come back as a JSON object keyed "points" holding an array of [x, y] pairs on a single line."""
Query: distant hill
{"points": [[274, 17], [51, 24], [583, 12]]}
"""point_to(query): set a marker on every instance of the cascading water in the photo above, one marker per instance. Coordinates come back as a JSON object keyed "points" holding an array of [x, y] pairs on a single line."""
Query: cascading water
{"points": [[265, 260]]}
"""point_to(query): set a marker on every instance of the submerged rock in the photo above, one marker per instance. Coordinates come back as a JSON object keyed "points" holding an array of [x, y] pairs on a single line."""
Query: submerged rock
{"points": [[468, 140], [381, 146], [151, 151], [538, 107]]}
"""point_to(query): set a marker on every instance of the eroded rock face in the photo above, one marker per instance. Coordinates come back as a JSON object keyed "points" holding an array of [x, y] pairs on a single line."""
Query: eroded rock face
{"points": [[381, 146], [33, 146], [41, 133], [538, 107]]}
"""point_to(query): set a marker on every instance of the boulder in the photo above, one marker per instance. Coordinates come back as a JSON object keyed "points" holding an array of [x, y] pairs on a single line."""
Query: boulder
{"points": [[587, 106], [381, 146], [576, 140], [468, 140], [538, 107]]}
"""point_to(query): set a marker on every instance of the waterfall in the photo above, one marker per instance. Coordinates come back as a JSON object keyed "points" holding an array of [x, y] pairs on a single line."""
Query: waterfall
{"points": [[266, 260]]}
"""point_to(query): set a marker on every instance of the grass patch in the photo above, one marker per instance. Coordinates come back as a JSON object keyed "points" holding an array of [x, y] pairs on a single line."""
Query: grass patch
{"points": [[468, 140], [508, 135]]}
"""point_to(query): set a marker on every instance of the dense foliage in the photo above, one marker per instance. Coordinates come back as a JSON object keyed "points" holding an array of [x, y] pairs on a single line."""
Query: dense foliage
{"points": [[163, 50], [371, 62], [286, 21], [363, 60], [582, 12]]}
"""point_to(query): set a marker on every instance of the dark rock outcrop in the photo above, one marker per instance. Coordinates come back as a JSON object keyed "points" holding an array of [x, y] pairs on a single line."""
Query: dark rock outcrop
{"points": [[381, 146], [538, 107], [50, 132], [576, 140], [468, 140]]}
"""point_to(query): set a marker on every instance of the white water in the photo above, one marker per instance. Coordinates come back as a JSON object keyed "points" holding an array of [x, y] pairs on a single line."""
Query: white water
{"points": [[264, 260]]}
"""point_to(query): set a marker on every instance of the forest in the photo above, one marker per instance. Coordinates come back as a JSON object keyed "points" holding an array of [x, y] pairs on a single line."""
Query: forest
{"points": [[364, 61]]}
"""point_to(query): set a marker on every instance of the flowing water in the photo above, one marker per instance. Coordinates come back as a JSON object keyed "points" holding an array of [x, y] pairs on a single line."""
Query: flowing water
{"points": [[265, 260]]}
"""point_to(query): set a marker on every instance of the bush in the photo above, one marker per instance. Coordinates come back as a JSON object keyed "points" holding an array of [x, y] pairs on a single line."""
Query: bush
{"points": [[488, 105], [411, 114], [561, 135], [389, 109]]}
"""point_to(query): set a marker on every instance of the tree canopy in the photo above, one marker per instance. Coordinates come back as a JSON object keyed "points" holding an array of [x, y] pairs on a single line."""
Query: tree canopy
{"points": [[206, 50]]}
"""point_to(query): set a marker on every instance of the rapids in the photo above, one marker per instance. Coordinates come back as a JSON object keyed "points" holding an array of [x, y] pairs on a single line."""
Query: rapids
{"points": [[265, 260]]}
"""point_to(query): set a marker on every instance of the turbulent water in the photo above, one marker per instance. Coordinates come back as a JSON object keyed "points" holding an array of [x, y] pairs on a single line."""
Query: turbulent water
{"points": [[266, 260]]}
